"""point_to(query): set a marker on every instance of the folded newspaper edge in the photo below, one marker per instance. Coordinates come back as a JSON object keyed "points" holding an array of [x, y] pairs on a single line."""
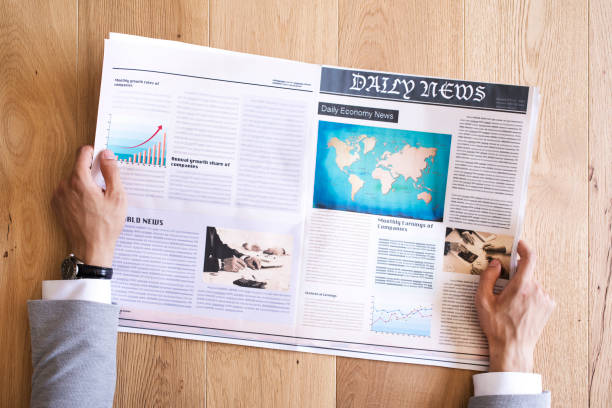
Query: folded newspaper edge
{"points": [[296, 206]]}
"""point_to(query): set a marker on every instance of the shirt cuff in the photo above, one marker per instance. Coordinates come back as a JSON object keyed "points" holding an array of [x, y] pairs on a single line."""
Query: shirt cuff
{"points": [[507, 383], [93, 290]]}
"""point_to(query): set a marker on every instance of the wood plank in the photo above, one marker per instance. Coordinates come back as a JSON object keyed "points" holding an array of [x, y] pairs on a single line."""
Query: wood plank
{"points": [[183, 20], [178, 377], [245, 376], [506, 41], [424, 38], [294, 29], [37, 125], [366, 383], [600, 203], [416, 37], [544, 43], [255, 377], [161, 372]]}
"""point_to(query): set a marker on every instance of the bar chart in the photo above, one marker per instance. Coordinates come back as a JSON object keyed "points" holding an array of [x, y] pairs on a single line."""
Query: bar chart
{"points": [[153, 155], [138, 141]]}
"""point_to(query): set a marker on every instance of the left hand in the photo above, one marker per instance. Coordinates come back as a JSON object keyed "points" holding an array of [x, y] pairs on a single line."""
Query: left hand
{"points": [[92, 218], [253, 262]]}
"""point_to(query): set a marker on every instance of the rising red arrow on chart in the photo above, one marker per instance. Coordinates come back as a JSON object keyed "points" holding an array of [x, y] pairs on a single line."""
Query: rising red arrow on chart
{"points": [[156, 132]]}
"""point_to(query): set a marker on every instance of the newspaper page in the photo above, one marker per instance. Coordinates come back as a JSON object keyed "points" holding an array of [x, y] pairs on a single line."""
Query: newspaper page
{"points": [[287, 205]]}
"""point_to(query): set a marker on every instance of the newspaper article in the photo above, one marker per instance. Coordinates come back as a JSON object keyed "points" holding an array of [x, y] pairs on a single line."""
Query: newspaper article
{"points": [[287, 205]]}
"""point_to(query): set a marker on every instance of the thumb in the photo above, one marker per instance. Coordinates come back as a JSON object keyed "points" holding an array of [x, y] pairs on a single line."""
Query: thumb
{"points": [[110, 171], [488, 278]]}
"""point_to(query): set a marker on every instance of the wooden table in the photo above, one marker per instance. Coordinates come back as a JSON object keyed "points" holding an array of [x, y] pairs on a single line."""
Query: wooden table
{"points": [[50, 64]]}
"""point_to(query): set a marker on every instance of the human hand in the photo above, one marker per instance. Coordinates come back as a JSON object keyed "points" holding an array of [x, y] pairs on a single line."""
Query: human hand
{"points": [[467, 237], [233, 264], [253, 262], [251, 247], [494, 249], [513, 319], [274, 251], [92, 218]]}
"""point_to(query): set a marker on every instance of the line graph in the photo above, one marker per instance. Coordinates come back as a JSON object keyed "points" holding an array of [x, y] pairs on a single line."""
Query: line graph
{"points": [[137, 141], [404, 319]]}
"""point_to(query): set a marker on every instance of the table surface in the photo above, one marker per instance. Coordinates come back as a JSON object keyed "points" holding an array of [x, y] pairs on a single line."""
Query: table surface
{"points": [[51, 58]]}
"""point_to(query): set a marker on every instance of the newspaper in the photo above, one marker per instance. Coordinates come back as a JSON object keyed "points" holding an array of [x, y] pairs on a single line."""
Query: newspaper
{"points": [[295, 206]]}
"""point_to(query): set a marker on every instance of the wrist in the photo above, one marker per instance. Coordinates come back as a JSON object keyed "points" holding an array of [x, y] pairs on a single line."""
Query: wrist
{"points": [[102, 257], [510, 358]]}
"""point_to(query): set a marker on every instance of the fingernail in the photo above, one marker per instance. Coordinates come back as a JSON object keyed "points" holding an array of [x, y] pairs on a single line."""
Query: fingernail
{"points": [[108, 154], [494, 262]]}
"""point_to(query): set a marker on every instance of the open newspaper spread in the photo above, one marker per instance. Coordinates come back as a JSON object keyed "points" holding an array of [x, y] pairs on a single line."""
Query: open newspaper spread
{"points": [[295, 206]]}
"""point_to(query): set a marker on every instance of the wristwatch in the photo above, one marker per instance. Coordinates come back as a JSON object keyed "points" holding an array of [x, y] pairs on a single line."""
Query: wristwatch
{"points": [[74, 268]]}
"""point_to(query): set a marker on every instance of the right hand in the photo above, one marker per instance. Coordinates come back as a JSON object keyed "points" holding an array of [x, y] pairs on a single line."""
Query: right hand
{"points": [[513, 319], [233, 264]]}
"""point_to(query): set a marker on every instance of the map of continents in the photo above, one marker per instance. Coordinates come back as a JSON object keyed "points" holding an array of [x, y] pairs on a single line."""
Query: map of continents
{"points": [[381, 171]]}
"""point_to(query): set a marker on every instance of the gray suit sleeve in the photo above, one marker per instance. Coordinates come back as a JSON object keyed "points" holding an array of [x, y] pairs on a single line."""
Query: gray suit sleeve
{"points": [[74, 350], [511, 401]]}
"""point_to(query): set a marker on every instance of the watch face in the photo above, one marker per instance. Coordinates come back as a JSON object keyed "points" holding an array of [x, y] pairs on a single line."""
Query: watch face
{"points": [[69, 268]]}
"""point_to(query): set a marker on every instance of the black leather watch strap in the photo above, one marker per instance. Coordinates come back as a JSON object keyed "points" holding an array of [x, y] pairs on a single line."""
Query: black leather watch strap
{"points": [[93, 272]]}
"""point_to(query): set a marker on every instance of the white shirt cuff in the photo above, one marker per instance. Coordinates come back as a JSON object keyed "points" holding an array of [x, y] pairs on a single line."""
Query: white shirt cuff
{"points": [[93, 290], [506, 383]]}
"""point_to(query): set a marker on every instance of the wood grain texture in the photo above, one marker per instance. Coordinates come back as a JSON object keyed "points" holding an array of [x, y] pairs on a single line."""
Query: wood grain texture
{"points": [[600, 203], [420, 38], [51, 55], [255, 377], [416, 37], [367, 383], [37, 125], [157, 371], [300, 30], [182, 20], [175, 375], [544, 43]]}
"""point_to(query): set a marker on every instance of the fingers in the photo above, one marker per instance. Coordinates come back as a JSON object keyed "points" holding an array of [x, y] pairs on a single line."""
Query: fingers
{"points": [[235, 264], [488, 279], [527, 262], [110, 171], [253, 262], [241, 263], [82, 165]]}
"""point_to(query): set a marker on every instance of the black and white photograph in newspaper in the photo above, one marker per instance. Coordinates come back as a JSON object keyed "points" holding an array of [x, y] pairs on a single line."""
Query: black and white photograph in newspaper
{"points": [[249, 259], [469, 252]]}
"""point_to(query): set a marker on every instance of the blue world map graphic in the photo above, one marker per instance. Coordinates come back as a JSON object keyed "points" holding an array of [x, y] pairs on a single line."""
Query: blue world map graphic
{"points": [[381, 171]]}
